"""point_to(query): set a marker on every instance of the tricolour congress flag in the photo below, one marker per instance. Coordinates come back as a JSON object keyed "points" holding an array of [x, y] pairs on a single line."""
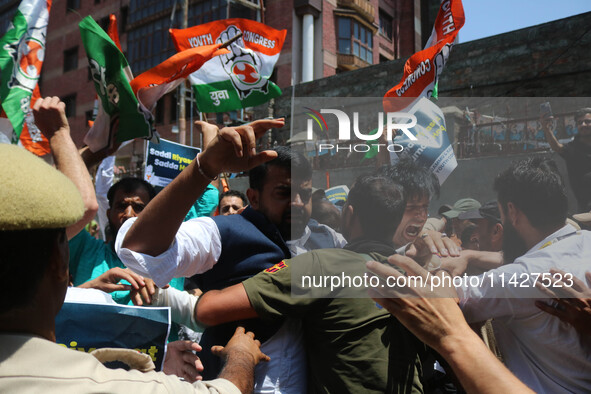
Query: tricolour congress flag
{"points": [[165, 77], [111, 75], [421, 73], [239, 78], [113, 33], [22, 50], [422, 70]]}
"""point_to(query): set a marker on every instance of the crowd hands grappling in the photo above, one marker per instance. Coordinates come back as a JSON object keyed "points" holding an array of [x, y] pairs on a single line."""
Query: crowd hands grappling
{"points": [[523, 325]]}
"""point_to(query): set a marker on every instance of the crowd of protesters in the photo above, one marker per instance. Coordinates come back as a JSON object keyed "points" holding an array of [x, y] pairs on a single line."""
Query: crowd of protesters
{"points": [[522, 325]]}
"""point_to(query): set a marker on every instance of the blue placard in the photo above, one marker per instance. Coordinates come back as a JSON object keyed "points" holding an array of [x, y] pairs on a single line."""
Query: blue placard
{"points": [[337, 194], [164, 161], [86, 327], [432, 148]]}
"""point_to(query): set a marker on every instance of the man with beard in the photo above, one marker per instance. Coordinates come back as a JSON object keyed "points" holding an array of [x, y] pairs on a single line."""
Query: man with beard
{"points": [[489, 231], [231, 202], [91, 258], [226, 250], [538, 348]]}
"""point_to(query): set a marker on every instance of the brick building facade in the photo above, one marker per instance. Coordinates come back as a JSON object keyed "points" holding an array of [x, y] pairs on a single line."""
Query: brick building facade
{"points": [[378, 30]]}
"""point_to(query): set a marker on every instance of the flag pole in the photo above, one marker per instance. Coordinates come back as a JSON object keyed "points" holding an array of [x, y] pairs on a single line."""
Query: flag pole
{"points": [[183, 90], [231, 40]]}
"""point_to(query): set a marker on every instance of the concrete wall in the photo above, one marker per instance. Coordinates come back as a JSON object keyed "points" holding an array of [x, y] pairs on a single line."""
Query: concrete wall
{"points": [[548, 60]]}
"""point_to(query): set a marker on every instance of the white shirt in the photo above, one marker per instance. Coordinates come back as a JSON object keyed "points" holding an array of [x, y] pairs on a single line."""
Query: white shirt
{"points": [[542, 351], [297, 246], [196, 248], [88, 296]]}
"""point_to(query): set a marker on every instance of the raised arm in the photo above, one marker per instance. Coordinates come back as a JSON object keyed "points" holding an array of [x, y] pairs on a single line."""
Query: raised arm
{"points": [[222, 306], [232, 149], [550, 137], [50, 118]]}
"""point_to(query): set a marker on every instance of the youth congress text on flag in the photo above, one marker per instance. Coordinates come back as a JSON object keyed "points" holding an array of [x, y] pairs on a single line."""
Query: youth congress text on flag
{"points": [[419, 80], [22, 50], [422, 70], [237, 79]]}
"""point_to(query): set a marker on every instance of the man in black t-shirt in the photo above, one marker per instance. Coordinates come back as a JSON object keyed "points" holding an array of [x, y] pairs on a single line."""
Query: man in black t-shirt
{"points": [[577, 155]]}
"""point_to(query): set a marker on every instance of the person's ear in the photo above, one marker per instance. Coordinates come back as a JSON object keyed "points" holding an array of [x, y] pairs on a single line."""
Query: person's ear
{"points": [[497, 229], [497, 232], [513, 213], [348, 213], [253, 198], [59, 258]]}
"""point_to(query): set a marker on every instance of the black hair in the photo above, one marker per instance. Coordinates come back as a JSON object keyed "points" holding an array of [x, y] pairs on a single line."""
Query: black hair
{"points": [[417, 181], [535, 186], [444, 208], [581, 113], [286, 158], [234, 193], [378, 202], [24, 258], [325, 212], [129, 185]]}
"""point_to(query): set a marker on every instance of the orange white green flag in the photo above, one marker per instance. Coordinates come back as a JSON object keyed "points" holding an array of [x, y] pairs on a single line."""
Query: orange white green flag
{"points": [[422, 70], [126, 100], [239, 78], [151, 85], [22, 51], [431, 146], [119, 110]]}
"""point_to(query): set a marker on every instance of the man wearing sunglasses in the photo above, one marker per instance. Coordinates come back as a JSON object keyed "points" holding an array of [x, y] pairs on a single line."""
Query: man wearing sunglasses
{"points": [[577, 155]]}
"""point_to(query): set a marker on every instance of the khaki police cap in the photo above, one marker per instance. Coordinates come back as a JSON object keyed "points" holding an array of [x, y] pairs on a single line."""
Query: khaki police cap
{"points": [[33, 194]]}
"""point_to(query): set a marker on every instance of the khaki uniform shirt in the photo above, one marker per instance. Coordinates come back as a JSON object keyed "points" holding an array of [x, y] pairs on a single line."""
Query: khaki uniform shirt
{"points": [[30, 364]]}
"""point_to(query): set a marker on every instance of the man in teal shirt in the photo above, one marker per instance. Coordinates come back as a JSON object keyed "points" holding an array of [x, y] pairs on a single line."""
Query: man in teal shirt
{"points": [[90, 257]]}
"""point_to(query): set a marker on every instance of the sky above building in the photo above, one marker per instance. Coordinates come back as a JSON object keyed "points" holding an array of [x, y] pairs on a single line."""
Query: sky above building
{"points": [[486, 18]]}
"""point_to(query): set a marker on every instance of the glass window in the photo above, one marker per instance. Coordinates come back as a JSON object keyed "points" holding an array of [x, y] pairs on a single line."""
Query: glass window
{"points": [[344, 28], [71, 59], [360, 43], [72, 5], [344, 46], [70, 102], [385, 25]]}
